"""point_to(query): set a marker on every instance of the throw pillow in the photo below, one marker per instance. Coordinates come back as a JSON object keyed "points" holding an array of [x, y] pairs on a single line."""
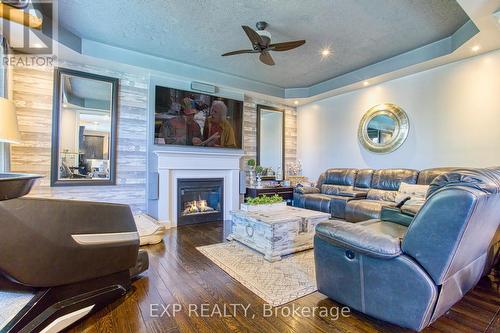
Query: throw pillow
{"points": [[416, 193]]}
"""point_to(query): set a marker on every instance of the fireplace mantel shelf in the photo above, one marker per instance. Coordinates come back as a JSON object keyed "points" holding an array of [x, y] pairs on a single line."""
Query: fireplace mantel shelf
{"points": [[216, 152]]}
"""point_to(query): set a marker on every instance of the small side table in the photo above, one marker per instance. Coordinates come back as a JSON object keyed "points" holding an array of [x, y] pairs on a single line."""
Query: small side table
{"points": [[286, 192]]}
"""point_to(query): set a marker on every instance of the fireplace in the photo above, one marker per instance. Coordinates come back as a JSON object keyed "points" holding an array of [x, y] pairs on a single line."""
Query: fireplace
{"points": [[199, 200]]}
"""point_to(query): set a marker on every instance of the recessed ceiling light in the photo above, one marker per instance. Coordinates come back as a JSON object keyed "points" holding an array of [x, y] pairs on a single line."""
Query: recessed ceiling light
{"points": [[475, 48], [296, 102], [365, 83]]}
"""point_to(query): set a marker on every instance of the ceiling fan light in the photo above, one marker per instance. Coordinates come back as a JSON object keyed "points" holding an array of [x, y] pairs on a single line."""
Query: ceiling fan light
{"points": [[264, 33]]}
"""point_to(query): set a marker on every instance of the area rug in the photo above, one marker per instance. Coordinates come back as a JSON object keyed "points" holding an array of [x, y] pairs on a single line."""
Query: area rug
{"points": [[276, 283]]}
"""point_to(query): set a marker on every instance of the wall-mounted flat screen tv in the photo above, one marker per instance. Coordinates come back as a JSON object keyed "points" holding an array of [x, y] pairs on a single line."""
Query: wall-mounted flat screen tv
{"points": [[186, 118]]}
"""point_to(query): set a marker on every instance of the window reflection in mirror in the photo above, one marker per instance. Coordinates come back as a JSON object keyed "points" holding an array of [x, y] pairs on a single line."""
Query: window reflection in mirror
{"points": [[270, 132], [85, 132], [381, 129]]}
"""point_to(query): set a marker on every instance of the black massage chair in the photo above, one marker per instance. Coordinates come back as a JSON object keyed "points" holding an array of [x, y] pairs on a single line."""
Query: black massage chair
{"points": [[61, 260]]}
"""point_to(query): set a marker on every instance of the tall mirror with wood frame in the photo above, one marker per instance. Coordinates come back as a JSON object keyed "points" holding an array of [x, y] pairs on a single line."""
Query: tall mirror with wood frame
{"points": [[271, 138], [83, 129]]}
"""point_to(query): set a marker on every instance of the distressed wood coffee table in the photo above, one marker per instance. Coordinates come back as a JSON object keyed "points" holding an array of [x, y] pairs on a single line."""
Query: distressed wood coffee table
{"points": [[276, 232]]}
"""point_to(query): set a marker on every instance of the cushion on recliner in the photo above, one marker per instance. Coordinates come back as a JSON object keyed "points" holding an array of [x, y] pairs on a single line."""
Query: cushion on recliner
{"points": [[335, 189], [375, 194], [425, 177], [317, 201], [306, 190], [389, 179], [362, 210], [363, 179], [338, 176], [373, 238]]}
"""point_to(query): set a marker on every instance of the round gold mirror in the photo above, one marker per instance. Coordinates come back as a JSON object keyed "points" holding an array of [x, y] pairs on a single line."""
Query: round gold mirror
{"points": [[383, 128]]}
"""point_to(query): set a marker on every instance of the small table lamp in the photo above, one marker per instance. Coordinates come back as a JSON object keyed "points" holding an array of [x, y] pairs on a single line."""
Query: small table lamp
{"points": [[8, 128]]}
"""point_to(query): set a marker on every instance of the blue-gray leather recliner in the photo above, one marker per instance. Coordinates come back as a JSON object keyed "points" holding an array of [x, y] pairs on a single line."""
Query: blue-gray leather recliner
{"points": [[411, 276]]}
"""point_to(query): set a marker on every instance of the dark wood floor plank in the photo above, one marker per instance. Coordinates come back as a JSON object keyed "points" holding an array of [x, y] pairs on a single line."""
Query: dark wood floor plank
{"points": [[180, 274]]}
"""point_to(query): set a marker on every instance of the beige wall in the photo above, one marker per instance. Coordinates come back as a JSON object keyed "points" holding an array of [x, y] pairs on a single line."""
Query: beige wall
{"points": [[454, 113]]}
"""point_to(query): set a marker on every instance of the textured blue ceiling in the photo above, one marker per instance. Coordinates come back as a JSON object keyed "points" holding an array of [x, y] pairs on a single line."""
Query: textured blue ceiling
{"points": [[359, 32]]}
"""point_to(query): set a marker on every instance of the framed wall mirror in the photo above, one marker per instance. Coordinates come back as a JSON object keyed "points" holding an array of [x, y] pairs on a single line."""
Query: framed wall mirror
{"points": [[270, 137], [83, 129], [383, 128]]}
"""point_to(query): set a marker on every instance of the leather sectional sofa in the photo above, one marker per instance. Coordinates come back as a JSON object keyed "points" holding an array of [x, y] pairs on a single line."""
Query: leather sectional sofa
{"points": [[359, 194], [408, 274]]}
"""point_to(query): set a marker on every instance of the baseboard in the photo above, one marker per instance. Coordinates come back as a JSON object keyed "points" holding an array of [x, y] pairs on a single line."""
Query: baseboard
{"points": [[166, 223]]}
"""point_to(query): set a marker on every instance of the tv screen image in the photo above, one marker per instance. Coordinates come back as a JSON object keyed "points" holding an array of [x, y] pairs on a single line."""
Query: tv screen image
{"points": [[193, 119]]}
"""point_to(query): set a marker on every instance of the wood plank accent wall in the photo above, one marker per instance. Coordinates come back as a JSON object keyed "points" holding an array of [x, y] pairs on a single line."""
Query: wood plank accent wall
{"points": [[250, 129], [31, 90]]}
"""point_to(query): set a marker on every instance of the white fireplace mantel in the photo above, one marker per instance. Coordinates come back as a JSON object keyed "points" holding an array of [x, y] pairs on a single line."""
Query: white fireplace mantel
{"points": [[176, 164]]}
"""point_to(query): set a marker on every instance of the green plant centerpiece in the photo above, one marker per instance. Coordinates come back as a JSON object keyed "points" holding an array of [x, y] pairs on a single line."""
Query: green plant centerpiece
{"points": [[265, 200], [251, 163]]}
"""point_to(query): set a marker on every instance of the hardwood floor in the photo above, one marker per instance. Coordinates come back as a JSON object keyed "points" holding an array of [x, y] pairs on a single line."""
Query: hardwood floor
{"points": [[179, 274]]}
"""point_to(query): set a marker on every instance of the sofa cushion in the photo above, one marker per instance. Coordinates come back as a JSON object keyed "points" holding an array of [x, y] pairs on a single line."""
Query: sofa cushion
{"points": [[317, 201], [335, 189], [374, 194], [389, 179], [362, 210], [373, 238], [340, 176], [363, 179], [306, 189], [425, 177]]}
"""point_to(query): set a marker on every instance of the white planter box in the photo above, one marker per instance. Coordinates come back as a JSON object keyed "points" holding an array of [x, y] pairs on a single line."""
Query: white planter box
{"points": [[257, 208]]}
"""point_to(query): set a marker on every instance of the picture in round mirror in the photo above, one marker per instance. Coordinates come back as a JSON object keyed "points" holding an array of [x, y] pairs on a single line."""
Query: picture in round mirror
{"points": [[383, 128]]}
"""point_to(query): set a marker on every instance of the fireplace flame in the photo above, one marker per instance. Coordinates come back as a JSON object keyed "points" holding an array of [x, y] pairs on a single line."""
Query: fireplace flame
{"points": [[202, 205], [197, 206]]}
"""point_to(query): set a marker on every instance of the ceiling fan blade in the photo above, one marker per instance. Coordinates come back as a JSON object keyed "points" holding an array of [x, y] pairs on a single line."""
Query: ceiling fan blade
{"points": [[286, 45], [238, 52], [253, 36], [266, 58]]}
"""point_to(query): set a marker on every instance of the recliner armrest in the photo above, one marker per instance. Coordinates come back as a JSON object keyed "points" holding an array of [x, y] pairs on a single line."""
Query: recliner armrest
{"points": [[306, 190], [360, 239], [353, 194]]}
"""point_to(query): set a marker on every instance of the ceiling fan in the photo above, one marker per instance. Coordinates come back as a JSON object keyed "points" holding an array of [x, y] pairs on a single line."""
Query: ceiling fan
{"points": [[261, 43]]}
